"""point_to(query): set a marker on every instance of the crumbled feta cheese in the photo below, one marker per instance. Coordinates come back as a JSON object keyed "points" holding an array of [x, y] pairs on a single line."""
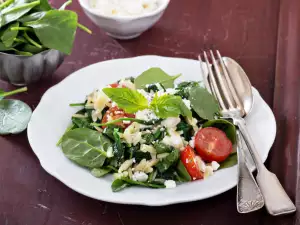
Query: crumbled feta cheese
{"points": [[201, 164], [146, 115], [140, 176], [170, 184], [133, 160], [126, 121], [171, 91], [109, 152], [187, 103], [174, 139], [132, 135], [192, 142], [125, 165], [208, 172], [215, 165], [171, 122]]}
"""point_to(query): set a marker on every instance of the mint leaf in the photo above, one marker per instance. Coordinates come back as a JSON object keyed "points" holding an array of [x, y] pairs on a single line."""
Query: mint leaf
{"points": [[169, 106], [129, 100], [155, 75], [204, 104]]}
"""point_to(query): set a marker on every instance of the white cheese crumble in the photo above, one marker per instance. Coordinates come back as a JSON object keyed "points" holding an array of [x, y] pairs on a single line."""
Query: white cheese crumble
{"points": [[215, 165], [140, 176], [109, 152], [187, 103], [127, 83], [201, 164], [174, 140], [171, 122], [192, 142], [124, 7], [208, 172], [171, 91], [170, 184], [146, 115]]}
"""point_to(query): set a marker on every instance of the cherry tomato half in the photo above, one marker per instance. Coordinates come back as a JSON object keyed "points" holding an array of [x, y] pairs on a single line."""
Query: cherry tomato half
{"points": [[188, 159], [212, 144], [115, 113]]}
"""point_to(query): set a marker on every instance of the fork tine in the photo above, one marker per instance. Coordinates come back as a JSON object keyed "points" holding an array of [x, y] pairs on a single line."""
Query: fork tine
{"points": [[229, 82], [221, 81], [206, 83], [213, 83]]}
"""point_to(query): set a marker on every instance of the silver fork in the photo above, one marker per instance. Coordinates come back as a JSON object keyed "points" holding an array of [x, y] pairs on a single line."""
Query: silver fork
{"points": [[276, 200]]}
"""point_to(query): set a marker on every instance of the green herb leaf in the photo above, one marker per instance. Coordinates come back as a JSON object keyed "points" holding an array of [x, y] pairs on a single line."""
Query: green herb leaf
{"points": [[182, 172], [119, 185], [32, 17], [14, 116], [100, 172], [230, 161], [155, 75], [9, 35], [43, 6], [203, 103], [168, 161], [56, 29], [169, 106], [85, 147], [129, 100], [225, 126], [144, 184]]}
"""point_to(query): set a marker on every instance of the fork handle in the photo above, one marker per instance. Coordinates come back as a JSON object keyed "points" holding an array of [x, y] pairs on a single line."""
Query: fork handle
{"points": [[276, 199]]}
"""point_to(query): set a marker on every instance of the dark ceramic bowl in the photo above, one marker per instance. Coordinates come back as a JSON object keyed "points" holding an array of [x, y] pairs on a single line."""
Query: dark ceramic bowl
{"points": [[22, 70]]}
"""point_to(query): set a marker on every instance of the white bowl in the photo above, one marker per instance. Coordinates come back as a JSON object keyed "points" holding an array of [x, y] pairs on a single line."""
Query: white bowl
{"points": [[124, 27]]}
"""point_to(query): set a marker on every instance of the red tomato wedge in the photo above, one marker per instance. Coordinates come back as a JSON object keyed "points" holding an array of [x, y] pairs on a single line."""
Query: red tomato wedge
{"points": [[115, 113], [212, 144], [188, 159]]}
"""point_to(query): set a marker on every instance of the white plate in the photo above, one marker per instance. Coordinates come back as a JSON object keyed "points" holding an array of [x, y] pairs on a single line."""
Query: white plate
{"points": [[53, 114]]}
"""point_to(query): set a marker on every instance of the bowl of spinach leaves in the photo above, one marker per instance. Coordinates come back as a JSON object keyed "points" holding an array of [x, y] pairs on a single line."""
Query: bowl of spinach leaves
{"points": [[34, 38]]}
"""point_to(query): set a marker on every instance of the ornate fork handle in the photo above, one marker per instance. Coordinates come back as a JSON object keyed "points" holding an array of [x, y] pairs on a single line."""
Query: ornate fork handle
{"points": [[276, 200], [249, 197]]}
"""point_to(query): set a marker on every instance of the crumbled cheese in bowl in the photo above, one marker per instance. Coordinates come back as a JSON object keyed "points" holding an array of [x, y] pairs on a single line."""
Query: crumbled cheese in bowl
{"points": [[124, 7]]}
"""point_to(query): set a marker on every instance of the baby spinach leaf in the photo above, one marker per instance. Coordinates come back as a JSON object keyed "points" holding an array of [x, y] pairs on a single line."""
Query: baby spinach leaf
{"points": [[230, 161], [155, 75], [16, 10], [129, 100], [162, 148], [118, 148], [71, 127], [118, 185], [31, 48], [3, 48], [182, 172], [56, 29], [43, 6], [100, 172], [169, 106], [85, 147], [144, 184], [203, 103], [184, 87], [9, 35], [32, 17], [187, 130], [225, 126], [168, 161], [14, 116]]}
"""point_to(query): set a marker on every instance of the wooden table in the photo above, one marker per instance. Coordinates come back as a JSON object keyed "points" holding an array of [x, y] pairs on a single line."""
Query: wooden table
{"points": [[263, 35]]}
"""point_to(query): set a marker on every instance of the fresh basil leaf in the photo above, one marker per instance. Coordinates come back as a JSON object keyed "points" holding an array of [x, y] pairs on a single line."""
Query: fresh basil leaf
{"points": [[32, 17], [225, 126], [129, 100], [16, 10], [203, 103], [14, 116], [155, 75], [85, 147], [100, 172], [43, 6], [168, 161], [182, 172], [9, 35], [118, 185], [169, 106], [56, 29], [230, 161]]}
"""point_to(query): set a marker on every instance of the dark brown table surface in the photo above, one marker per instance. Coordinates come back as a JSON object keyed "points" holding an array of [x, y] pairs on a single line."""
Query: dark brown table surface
{"points": [[262, 35]]}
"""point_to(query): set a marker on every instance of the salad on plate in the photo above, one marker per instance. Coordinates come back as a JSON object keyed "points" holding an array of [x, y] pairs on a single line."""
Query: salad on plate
{"points": [[149, 132]]}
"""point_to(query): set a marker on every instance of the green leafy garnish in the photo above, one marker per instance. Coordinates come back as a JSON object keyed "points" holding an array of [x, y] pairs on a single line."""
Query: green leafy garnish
{"points": [[182, 172], [129, 100], [168, 161], [230, 161], [100, 172], [155, 75], [203, 103], [118, 185], [8, 36]]}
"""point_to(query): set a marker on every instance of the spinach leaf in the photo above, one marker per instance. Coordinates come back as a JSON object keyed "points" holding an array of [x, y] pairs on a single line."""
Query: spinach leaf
{"points": [[31, 48], [118, 148], [204, 104], [85, 147], [100, 172], [109, 131], [32, 17], [169, 106], [82, 122], [9, 35], [152, 176], [14, 116], [15, 10], [158, 135], [184, 87], [56, 29], [3, 48], [162, 148], [139, 156], [43, 6], [168, 161], [230, 161], [119, 185], [155, 75], [71, 127], [225, 126], [145, 184], [182, 172], [129, 100], [187, 130]]}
